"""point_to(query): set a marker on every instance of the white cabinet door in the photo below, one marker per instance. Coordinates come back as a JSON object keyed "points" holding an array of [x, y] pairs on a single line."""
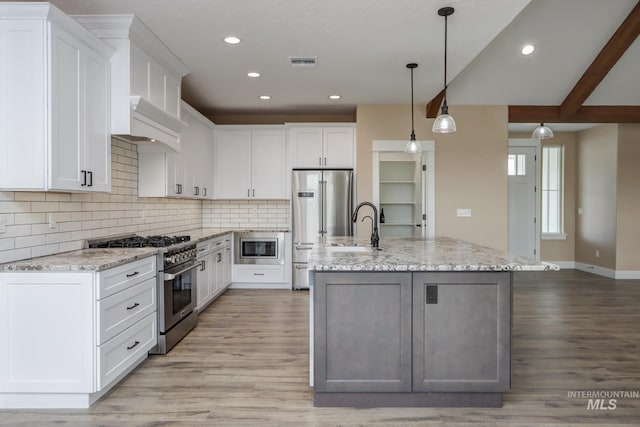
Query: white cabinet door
{"points": [[337, 144], [23, 104], [227, 263], [80, 136], [268, 169], [97, 123], [206, 168], [47, 333], [203, 273], [54, 105], [67, 142], [202, 136], [322, 147], [250, 163], [306, 147], [233, 164]]}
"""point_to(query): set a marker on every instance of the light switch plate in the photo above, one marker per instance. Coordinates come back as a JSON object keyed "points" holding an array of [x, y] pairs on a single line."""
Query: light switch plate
{"points": [[463, 212]]}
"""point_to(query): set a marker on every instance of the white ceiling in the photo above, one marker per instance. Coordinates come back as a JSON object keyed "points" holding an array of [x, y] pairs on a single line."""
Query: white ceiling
{"points": [[363, 46]]}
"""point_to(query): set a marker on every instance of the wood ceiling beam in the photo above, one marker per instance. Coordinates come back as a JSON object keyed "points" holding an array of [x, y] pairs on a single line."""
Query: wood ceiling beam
{"points": [[624, 36], [433, 107], [588, 114]]}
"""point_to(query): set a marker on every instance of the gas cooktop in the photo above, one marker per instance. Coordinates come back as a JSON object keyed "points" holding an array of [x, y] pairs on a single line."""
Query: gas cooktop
{"points": [[139, 242]]}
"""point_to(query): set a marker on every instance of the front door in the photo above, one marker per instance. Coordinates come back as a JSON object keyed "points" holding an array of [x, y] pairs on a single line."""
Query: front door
{"points": [[522, 202]]}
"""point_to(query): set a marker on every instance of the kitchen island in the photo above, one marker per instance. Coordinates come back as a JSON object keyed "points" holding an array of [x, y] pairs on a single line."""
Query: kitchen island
{"points": [[412, 323]]}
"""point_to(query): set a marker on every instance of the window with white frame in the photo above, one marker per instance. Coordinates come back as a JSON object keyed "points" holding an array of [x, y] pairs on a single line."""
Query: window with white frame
{"points": [[552, 191]]}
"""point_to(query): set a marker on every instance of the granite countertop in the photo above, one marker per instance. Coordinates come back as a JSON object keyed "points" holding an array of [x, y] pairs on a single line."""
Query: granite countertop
{"points": [[100, 259], [202, 234], [412, 254], [97, 259]]}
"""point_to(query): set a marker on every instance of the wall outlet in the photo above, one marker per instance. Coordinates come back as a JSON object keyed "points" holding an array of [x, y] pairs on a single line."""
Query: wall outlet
{"points": [[463, 212], [52, 222], [597, 253]]}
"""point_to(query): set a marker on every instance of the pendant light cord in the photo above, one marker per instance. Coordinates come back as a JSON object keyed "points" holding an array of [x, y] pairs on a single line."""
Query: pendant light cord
{"points": [[445, 57], [445, 108], [413, 134]]}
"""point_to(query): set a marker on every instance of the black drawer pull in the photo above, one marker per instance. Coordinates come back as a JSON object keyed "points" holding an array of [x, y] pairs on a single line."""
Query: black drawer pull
{"points": [[133, 306], [134, 344], [258, 274], [135, 273]]}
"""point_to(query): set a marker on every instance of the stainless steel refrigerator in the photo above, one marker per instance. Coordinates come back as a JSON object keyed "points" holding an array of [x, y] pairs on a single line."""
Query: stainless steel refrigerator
{"points": [[322, 204]]}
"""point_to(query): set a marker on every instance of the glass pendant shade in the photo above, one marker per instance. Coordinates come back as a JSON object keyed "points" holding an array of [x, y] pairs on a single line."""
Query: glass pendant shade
{"points": [[542, 132], [444, 123], [413, 146]]}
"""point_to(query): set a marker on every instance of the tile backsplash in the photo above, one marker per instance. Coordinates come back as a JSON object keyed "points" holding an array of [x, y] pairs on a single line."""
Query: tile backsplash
{"points": [[250, 214], [43, 223]]}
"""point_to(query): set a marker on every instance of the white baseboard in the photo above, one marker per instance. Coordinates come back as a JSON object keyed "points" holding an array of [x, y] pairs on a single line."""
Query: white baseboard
{"points": [[564, 265], [260, 286], [627, 274], [600, 271]]}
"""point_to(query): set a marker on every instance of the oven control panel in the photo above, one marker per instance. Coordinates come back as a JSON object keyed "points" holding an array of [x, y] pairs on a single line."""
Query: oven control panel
{"points": [[181, 255]]}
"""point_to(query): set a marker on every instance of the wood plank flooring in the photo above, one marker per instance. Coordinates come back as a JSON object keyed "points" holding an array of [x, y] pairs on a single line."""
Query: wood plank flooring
{"points": [[247, 364]]}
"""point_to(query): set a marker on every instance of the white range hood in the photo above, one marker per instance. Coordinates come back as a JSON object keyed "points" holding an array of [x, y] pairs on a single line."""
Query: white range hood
{"points": [[146, 83]]}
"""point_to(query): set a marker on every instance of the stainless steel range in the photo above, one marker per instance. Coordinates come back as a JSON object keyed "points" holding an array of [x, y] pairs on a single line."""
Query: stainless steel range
{"points": [[176, 283]]}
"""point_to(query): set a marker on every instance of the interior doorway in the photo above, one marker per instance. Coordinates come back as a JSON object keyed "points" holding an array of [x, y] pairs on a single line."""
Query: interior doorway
{"points": [[523, 175], [404, 189]]}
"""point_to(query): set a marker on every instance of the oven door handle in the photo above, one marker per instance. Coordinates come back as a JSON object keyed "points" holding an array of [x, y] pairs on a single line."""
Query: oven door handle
{"points": [[171, 276]]}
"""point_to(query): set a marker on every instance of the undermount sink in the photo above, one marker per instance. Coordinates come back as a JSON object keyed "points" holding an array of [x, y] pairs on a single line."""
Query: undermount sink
{"points": [[351, 248]]}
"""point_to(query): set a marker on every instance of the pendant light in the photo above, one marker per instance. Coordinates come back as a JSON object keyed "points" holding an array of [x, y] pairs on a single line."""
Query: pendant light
{"points": [[542, 132], [444, 123], [412, 146]]}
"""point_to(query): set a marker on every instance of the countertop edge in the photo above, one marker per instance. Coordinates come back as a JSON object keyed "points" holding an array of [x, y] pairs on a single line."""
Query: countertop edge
{"points": [[80, 260]]}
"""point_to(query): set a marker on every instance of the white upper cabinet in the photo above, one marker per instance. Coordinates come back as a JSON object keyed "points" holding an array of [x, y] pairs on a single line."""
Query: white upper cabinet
{"points": [[250, 163], [54, 102], [322, 147], [146, 83], [187, 174]]}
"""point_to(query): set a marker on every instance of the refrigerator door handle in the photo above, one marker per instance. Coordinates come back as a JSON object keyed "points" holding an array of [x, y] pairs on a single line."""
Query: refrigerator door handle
{"points": [[323, 208]]}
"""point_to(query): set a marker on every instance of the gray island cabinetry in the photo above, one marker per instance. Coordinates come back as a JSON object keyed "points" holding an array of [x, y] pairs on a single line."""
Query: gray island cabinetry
{"points": [[418, 323]]}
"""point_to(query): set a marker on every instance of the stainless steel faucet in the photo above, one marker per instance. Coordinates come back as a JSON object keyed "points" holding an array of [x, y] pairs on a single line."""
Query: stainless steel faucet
{"points": [[375, 237]]}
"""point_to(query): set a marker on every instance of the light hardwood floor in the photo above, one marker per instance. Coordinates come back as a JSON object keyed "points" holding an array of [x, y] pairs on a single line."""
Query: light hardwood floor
{"points": [[247, 364]]}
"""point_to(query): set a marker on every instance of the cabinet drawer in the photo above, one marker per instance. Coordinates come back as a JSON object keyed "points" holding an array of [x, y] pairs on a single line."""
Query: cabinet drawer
{"points": [[220, 242], [118, 354], [258, 273], [117, 312], [203, 248], [125, 276]]}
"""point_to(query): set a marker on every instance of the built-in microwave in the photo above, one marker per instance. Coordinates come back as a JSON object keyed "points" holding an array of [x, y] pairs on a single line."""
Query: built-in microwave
{"points": [[259, 247]]}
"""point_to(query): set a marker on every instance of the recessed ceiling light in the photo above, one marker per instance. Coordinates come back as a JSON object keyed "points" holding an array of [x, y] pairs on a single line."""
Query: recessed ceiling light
{"points": [[334, 97], [265, 97], [232, 40], [253, 74], [528, 49]]}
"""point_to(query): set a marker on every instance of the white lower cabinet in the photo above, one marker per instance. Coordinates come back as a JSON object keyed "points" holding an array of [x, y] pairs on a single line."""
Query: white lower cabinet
{"points": [[68, 337], [251, 273], [214, 274]]}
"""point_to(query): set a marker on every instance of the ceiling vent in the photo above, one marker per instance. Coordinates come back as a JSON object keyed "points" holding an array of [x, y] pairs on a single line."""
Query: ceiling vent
{"points": [[304, 61]]}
